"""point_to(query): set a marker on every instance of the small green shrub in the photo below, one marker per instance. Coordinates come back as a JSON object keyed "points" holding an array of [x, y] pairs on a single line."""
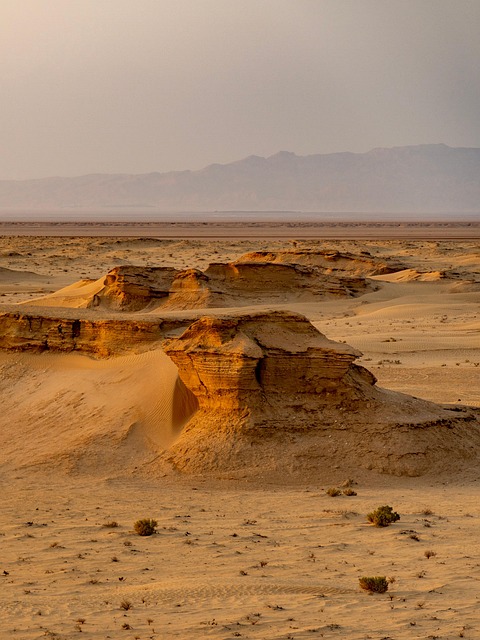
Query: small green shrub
{"points": [[383, 516], [333, 492], [374, 584], [145, 527]]}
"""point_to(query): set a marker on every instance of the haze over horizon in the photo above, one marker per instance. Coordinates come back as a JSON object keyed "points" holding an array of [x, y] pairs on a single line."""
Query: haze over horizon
{"points": [[116, 86]]}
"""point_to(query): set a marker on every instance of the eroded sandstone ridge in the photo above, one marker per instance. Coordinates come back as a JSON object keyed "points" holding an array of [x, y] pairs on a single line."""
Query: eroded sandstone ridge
{"points": [[277, 396], [37, 333], [339, 263], [130, 288]]}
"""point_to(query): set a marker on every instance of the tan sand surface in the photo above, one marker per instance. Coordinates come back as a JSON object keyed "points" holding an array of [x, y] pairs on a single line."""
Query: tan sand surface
{"points": [[252, 557]]}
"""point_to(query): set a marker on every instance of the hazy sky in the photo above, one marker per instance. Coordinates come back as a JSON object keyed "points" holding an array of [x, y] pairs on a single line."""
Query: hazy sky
{"points": [[155, 85]]}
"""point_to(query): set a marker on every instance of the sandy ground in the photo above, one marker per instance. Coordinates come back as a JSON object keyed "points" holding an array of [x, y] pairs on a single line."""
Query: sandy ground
{"points": [[232, 558]]}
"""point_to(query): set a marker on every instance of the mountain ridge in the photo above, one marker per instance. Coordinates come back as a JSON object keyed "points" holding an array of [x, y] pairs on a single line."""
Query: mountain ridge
{"points": [[425, 178]]}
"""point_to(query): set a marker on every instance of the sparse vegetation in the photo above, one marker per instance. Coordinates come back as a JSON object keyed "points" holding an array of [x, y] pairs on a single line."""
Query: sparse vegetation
{"points": [[429, 554], [333, 492], [374, 584], [125, 605], [349, 492], [383, 516], [110, 525], [145, 526]]}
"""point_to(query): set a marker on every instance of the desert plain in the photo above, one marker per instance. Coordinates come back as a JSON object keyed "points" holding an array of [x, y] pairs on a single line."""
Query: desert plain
{"points": [[98, 431]]}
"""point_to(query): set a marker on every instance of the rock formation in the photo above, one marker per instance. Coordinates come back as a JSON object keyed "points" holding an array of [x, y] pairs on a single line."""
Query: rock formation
{"points": [[130, 288], [329, 261], [100, 338], [276, 396]]}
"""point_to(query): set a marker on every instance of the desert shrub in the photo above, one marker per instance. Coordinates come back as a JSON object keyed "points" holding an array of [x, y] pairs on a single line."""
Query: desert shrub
{"points": [[374, 584], [349, 492], [429, 554], [333, 492], [383, 516], [145, 527]]}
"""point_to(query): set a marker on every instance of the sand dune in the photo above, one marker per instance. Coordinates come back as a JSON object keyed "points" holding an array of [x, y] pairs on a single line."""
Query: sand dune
{"points": [[420, 306], [78, 295], [10, 275], [112, 415], [409, 275]]}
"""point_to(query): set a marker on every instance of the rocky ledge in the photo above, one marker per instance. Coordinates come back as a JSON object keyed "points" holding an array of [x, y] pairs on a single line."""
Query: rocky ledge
{"points": [[105, 338]]}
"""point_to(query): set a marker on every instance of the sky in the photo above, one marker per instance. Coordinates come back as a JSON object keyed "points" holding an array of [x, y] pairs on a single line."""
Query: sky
{"points": [[134, 86]]}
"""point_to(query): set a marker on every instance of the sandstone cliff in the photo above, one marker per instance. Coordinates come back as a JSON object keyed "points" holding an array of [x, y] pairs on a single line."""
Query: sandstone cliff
{"points": [[330, 261], [100, 338], [276, 396], [130, 288]]}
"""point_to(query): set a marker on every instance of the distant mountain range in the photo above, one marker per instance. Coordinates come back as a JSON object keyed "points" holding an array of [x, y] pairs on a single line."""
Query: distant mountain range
{"points": [[425, 178]]}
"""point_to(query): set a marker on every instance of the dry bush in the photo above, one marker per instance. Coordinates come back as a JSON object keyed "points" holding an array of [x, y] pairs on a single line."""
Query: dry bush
{"points": [[145, 526], [383, 516], [374, 584], [333, 492]]}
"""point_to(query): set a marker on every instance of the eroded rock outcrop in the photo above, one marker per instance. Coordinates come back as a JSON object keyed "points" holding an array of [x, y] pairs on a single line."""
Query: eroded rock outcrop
{"points": [[278, 281], [129, 288], [100, 338], [276, 396], [331, 261]]}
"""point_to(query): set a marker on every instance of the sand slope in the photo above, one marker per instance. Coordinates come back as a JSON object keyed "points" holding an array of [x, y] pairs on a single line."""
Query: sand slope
{"points": [[111, 416]]}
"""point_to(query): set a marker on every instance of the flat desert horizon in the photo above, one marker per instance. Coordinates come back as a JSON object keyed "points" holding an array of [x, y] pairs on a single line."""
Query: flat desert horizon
{"points": [[257, 390]]}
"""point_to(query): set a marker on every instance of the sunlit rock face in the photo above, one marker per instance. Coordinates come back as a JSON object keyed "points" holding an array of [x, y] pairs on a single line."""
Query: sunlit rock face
{"points": [[130, 288], [234, 284], [254, 361], [329, 261], [276, 396], [99, 338], [222, 285]]}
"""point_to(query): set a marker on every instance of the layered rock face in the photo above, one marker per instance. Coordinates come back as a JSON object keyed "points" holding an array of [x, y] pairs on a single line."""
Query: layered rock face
{"points": [[277, 396], [129, 288], [278, 282], [333, 262], [99, 338], [248, 362], [222, 285]]}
